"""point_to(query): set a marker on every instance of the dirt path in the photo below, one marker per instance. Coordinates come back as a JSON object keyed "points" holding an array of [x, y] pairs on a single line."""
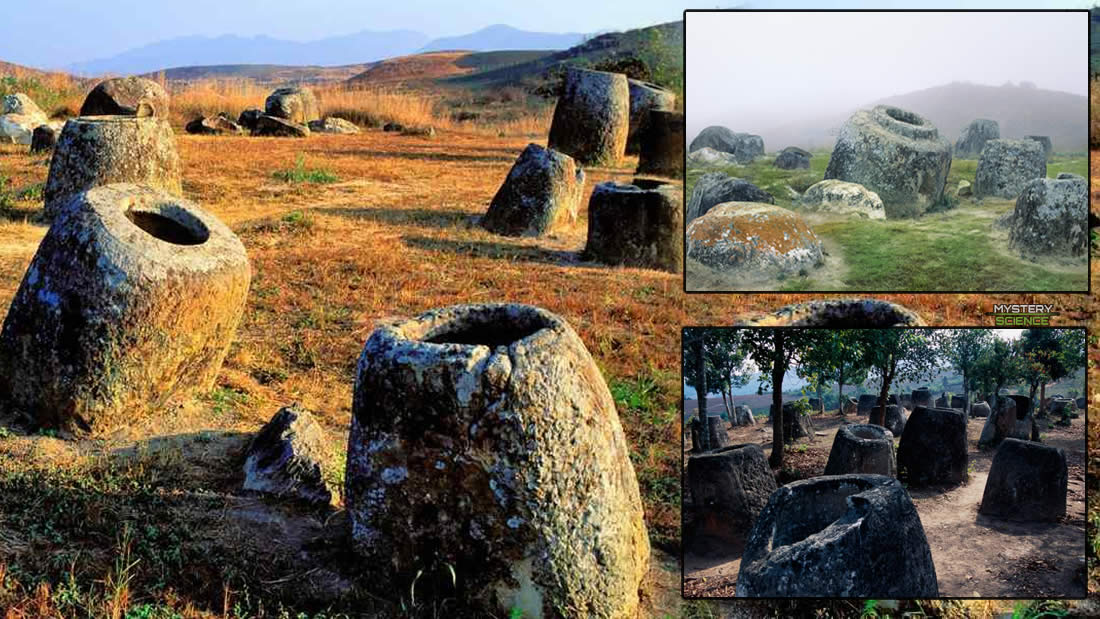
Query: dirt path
{"points": [[974, 555]]}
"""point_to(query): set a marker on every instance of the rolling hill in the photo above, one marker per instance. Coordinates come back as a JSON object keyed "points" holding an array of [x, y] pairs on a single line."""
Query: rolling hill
{"points": [[1020, 109], [431, 66]]}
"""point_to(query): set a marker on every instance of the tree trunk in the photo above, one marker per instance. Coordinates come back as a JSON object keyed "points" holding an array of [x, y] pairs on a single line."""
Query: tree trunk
{"points": [[878, 413], [840, 397], [1031, 394], [820, 399], [776, 459], [966, 397], [701, 393], [1042, 398]]}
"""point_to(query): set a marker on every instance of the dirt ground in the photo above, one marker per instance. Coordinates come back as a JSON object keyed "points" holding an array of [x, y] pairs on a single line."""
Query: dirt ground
{"points": [[974, 555]]}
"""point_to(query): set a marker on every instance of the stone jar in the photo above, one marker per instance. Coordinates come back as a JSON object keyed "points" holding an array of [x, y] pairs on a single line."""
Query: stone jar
{"points": [[484, 437]]}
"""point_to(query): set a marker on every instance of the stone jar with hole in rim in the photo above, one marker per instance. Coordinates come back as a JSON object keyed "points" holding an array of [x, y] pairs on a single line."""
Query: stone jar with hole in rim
{"points": [[132, 298], [102, 150], [484, 439]]}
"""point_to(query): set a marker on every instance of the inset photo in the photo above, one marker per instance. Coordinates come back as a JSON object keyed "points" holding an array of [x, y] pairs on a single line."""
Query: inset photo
{"points": [[884, 463], [891, 151]]}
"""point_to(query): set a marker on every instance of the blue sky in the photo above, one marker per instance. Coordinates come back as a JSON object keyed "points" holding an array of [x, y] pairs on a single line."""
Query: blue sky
{"points": [[56, 33]]}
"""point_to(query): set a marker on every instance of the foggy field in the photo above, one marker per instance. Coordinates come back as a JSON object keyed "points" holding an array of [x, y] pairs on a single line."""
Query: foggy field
{"points": [[954, 249]]}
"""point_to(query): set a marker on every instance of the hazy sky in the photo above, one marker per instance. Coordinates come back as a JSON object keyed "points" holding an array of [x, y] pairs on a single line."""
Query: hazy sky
{"points": [[755, 71]]}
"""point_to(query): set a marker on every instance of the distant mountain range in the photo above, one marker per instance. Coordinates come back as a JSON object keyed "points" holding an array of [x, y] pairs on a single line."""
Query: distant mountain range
{"points": [[362, 47], [1019, 109]]}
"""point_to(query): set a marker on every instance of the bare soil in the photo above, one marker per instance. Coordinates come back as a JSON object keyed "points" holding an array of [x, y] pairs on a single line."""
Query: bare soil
{"points": [[975, 555]]}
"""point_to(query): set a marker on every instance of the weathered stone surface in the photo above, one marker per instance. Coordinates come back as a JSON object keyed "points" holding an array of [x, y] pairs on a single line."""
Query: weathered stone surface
{"points": [[213, 125], [716, 431], [964, 189], [795, 425], [714, 188], [895, 419], [838, 536], [842, 197], [21, 104], [1005, 167], [132, 298], [284, 458], [895, 153], [793, 158], [959, 402], [942, 402], [839, 313], [867, 402], [541, 193], [755, 240], [817, 406], [851, 406], [1081, 403], [708, 156], [391, 127], [332, 124], [100, 150], [979, 409], [922, 397], [426, 131], [742, 416], [249, 118], [933, 447], [729, 488], [1013, 418], [592, 117], [485, 437], [974, 136], [44, 138], [1027, 481], [743, 146], [661, 145], [127, 96], [296, 104], [1051, 218], [1044, 141], [271, 126], [1063, 407], [645, 98], [862, 448], [637, 225]]}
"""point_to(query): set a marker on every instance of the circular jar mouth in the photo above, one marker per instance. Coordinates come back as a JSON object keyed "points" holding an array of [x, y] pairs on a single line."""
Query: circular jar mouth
{"points": [[168, 223], [842, 314], [867, 432], [903, 122], [480, 325], [815, 504], [904, 116]]}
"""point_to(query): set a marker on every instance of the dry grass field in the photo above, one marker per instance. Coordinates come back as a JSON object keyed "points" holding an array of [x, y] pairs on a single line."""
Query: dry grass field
{"points": [[393, 235]]}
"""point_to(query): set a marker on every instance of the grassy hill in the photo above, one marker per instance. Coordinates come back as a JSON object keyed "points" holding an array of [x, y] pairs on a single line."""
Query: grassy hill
{"points": [[261, 73], [432, 66]]}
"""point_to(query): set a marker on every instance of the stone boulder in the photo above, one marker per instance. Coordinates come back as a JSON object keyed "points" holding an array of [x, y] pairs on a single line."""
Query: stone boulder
{"points": [[964, 189], [1027, 481], [844, 198], [1014, 418], [895, 419], [754, 240], [795, 425], [19, 118], [932, 450], [636, 225], [644, 99], [1063, 407], [213, 125], [592, 118], [249, 118], [101, 150], [922, 397], [839, 313], [541, 194], [743, 146], [838, 536], [708, 156], [295, 104], [21, 104], [661, 145], [132, 299], [273, 126], [979, 409], [793, 158], [1005, 167], [862, 448], [714, 188], [742, 416], [974, 136], [423, 131], [334, 125], [284, 458], [1051, 218], [1080, 403], [895, 153], [392, 127], [729, 488], [127, 96], [497, 417], [44, 138], [1044, 141]]}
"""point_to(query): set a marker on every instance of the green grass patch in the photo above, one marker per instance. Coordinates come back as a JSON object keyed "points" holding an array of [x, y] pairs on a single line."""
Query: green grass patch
{"points": [[300, 174]]}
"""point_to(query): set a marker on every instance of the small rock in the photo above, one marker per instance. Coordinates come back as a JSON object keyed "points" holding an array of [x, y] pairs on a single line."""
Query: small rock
{"points": [[284, 458], [272, 126], [841, 197], [332, 124]]}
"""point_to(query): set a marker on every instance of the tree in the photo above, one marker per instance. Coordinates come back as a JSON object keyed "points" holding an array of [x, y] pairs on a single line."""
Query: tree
{"points": [[1049, 355], [694, 347], [999, 365], [773, 351], [907, 355], [962, 348], [837, 356]]}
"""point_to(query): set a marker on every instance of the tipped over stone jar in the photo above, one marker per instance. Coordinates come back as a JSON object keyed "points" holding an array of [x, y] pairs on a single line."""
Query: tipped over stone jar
{"points": [[484, 438]]}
